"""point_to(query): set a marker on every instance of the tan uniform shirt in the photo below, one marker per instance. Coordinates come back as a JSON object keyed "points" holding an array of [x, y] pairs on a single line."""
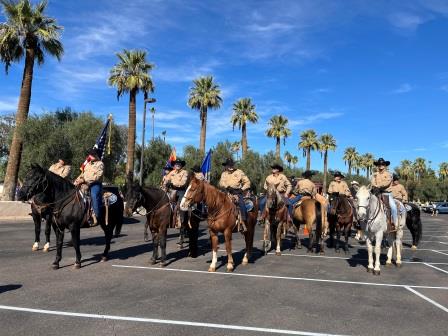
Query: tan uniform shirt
{"points": [[178, 178], [280, 182], [93, 172], [382, 180], [235, 179], [61, 170], [399, 192], [199, 176], [340, 187], [305, 186]]}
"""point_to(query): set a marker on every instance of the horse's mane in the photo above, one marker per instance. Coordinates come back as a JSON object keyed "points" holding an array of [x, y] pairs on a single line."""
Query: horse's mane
{"points": [[59, 183]]}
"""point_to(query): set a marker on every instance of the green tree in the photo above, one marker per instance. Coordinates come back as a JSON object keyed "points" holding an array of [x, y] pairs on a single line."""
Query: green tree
{"points": [[28, 32], [204, 94], [350, 155], [288, 157], [6, 130], [236, 148], [243, 112], [131, 75], [156, 154], [443, 170], [308, 142], [419, 168], [294, 161], [326, 143], [278, 129], [367, 163]]}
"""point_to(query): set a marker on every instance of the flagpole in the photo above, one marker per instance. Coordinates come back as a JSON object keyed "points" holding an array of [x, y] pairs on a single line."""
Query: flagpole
{"points": [[146, 100]]}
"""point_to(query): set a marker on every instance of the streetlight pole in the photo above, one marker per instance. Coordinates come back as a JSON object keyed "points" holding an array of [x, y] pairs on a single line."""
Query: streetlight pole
{"points": [[146, 100], [153, 113]]}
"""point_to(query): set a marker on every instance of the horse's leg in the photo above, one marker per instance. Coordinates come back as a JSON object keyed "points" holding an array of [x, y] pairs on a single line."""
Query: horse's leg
{"points": [[108, 233], [370, 254], [214, 241], [331, 224], [76, 234], [379, 239], [162, 243], [249, 238], [145, 231], [347, 231], [193, 235], [398, 245], [155, 246], [390, 250], [59, 242], [278, 250], [37, 224], [228, 240], [47, 233], [338, 237], [297, 235], [267, 236]]}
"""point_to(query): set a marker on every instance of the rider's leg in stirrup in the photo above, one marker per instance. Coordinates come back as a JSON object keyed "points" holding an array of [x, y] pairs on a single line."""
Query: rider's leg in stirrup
{"points": [[393, 210], [96, 194], [243, 211]]}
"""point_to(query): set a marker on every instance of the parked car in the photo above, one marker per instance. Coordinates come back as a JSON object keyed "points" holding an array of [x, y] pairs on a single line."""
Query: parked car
{"points": [[442, 208]]}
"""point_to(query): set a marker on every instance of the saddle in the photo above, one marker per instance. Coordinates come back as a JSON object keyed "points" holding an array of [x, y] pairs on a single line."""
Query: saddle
{"points": [[304, 198]]}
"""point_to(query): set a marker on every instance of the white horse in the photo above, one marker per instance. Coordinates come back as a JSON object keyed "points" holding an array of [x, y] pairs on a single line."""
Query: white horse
{"points": [[372, 214]]}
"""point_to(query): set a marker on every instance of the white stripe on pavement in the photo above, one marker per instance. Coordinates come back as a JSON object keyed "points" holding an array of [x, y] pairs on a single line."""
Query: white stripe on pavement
{"points": [[424, 297], [162, 321], [437, 268]]}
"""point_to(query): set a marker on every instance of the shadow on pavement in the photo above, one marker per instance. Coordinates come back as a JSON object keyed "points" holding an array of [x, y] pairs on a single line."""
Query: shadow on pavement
{"points": [[7, 288]]}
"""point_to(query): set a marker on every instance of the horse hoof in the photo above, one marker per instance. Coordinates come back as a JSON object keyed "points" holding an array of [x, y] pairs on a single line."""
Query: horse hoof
{"points": [[398, 265], [376, 272], [212, 269], [299, 247], [414, 248], [245, 262], [54, 266], [153, 262], [163, 263], [388, 264], [35, 247], [369, 270], [229, 269], [77, 266], [278, 254], [103, 259], [46, 247]]}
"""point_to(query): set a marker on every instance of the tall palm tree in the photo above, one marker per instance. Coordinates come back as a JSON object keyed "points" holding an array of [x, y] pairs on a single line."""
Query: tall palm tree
{"points": [[326, 142], [204, 94], [443, 170], [308, 143], [243, 112], [235, 148], [28, 33], [294, 160], [358, 163], [367, 163], [406, 169], [131, 74], [349, 157], [419, 168], [278, 129], [288, 158]]}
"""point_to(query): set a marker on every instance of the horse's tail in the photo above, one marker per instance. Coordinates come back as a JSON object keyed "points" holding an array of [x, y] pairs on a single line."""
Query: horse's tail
{"points": [[319, 221]]}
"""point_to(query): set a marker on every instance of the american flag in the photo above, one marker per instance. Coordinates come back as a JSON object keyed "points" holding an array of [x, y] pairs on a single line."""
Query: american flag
{"points": [[100, 144]]}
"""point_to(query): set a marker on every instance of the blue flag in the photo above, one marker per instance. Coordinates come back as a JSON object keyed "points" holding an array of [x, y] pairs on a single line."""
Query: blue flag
{"points": [[206, 165]]}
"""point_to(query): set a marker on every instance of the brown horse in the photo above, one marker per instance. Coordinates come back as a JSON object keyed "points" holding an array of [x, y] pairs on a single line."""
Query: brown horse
{"points": [[309, 212], [222, 217], [340, 219], [276, 217]]}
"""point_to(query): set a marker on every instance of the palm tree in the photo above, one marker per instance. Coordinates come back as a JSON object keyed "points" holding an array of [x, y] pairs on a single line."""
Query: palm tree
{"points": [[243, 111], [294, 160], [288, 158], [278, 129], [326, 142], [27, 32], [406, 169], [358, 163], [308, 143], [204, 94], [419, 168], [235, 148], [367, 163], [349, 157], [131, 74], [443, 170]]}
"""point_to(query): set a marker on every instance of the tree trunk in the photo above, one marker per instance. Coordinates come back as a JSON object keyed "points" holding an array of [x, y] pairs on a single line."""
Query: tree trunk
{"points": [[244, 139], [203, 130], [308, 158], [324, 187], [131, 138], [277, 148], [15, 152]]}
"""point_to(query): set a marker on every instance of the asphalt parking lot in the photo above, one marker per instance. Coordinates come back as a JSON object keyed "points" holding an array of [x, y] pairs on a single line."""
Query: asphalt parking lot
{"points": [[296, 293]]}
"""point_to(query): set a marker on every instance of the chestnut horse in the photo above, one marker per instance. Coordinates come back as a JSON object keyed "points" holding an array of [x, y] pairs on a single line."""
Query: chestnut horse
{"points": [[309, 212], [222, 217], [276, 217], [340, 219]]}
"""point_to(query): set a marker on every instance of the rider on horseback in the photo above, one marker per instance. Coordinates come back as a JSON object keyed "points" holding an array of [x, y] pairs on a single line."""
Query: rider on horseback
{"points": [[397, 189], [176, 183], [339, 186], [92, 176], [304, 187], [381, 182], [235, 182], [61, 168], [281, 183]]}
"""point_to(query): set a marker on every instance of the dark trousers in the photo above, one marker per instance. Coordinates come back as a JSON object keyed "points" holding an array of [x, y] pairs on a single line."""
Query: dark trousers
{"points": [[96, 194]]}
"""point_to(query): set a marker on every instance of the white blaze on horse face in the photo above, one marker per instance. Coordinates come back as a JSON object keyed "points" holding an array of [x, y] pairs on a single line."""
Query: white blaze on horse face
{"points": [[363, 196], [184, 203]]}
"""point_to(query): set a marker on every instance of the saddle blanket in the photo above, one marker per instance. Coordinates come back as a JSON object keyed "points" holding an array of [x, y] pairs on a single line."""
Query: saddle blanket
{"points": [[110, 197]]}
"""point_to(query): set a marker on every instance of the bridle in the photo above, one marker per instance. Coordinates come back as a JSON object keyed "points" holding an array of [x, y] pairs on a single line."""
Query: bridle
{"points": [[367, 207]]}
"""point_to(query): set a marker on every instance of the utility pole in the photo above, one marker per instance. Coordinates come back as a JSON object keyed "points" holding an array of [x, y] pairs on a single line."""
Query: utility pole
{"points": [[153, 113], [142, 157]]}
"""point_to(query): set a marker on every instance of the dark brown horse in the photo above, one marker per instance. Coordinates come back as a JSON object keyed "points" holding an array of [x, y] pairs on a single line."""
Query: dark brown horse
{"points": [[309, 213], [222, 217], [340, 218], [276, 217]]}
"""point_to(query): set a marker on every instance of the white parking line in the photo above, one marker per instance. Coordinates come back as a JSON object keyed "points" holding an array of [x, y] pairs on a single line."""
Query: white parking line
{"points": [[279, 277], [169, 322], [424, 297], [437, 268], [440, 252]]}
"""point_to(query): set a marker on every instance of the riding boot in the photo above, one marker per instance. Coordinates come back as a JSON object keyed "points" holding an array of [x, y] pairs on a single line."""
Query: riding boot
{"points": [[95, 220]]}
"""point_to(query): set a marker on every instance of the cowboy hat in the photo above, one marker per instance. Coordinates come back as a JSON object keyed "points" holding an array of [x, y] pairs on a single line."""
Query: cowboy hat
{"points": [[228, 162], [178, 162], [308, 173], [381, 162], [277, 166], [338, 174], [196, 169]]}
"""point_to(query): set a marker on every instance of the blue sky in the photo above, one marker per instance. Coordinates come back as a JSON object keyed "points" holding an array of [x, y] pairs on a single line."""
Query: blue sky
{"points": [[372, 73]]}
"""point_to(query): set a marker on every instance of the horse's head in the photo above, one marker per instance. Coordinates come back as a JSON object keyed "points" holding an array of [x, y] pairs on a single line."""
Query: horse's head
{"points": [[35, 182], [363, 197], [334, 203], [273, 198], [194, 193], [134, 199]]}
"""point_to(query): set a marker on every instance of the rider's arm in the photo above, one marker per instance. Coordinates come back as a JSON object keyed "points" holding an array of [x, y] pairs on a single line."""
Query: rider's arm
{"points": [[405, 194], [288, 186], [66, 172], [245, 183]]}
